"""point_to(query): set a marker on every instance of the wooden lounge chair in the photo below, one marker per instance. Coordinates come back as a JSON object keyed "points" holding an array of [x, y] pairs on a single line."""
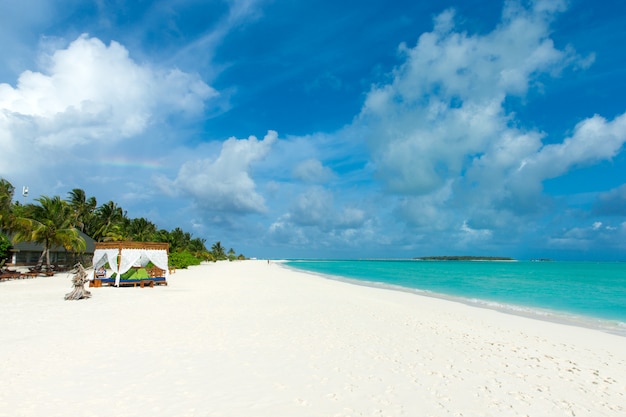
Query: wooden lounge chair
{"points": [[40, 270], [7, 275], [158, 275]]}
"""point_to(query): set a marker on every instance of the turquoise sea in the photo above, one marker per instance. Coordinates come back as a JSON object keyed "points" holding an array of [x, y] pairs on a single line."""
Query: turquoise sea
{"points": [[587, 294]]}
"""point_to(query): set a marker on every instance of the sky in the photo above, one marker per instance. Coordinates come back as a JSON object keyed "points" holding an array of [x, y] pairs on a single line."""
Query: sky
{"points": [[329, 129]]}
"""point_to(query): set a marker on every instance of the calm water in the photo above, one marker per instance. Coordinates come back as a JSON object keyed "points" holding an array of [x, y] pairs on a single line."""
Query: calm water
{"points": [[584, 293]]}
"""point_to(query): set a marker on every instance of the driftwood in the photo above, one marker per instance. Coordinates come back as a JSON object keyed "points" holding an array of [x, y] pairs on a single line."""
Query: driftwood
{"points": [[78, 280]]}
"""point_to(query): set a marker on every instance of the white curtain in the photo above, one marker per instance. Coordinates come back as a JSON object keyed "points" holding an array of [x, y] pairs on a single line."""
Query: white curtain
{"points": [[159, 258], [102, 256], [141, 257], [129, 258], [99, 258]]}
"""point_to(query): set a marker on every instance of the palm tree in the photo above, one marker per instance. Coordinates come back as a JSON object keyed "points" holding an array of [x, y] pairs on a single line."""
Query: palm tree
{"points": [[50, 223], [7, 218], [141, 230], [82, 206], [218, 251], [115, 233], [108, 216], [6, 198], [197, 247], [179, 240], [163, 235]]}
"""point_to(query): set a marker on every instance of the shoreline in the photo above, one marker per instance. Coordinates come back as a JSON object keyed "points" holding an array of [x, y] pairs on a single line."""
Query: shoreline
{"points": [[614, 327], [249, 338]]}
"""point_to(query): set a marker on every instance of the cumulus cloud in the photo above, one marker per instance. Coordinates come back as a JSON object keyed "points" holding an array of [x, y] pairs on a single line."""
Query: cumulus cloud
{"points": [[472, 235], [313, 171], [446, 102], [315, 207], [510, 175], [314, 218], [440, 132], [91, 92], [427, 211], [224, 183], [594, 139]]}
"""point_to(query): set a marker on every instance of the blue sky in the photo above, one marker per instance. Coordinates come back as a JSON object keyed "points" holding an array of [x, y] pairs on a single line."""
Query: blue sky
{"points": [[327, 129]]}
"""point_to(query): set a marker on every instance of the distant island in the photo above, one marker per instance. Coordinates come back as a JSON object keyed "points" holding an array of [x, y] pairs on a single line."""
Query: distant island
{"points": [[464, 258]]}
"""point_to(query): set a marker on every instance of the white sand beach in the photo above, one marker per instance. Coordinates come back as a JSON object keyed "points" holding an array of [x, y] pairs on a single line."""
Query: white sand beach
{"points": [[252, 339]]}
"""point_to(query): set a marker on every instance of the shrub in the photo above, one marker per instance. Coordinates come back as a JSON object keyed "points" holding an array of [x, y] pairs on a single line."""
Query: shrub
{"points": [[181, 260]]}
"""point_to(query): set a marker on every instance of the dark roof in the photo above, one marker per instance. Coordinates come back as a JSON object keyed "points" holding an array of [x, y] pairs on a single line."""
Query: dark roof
{"points": [[38, 247]]}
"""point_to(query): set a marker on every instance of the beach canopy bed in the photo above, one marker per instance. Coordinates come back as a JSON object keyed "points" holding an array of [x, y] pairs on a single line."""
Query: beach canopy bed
{"points": [[122, 256]]}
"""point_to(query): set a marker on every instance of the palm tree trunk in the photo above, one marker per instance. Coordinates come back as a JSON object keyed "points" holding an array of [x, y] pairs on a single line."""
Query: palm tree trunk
{"points": [[40, 260], [48, 257]]}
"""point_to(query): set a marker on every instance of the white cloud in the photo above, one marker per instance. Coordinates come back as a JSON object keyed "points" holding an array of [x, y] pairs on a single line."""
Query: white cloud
{"points": [[316, 207], [511, 172], [224, 184], [427, 211], [90, 92], [441, 135], [312, 170], [594, 139], [471, 236], [313, 207], [315, 220], [446, 102]]}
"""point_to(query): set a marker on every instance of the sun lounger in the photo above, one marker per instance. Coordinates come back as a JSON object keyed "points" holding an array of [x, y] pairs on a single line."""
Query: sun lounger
{"points": [[144, 282], [10, 275], [39, 271], [7, 274]]}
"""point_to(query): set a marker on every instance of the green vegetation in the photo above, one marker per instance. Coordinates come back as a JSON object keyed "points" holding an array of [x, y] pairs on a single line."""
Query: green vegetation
{"points": [[56, 222], [464, 258], [5, 245], [7, 210], [182, 260]]}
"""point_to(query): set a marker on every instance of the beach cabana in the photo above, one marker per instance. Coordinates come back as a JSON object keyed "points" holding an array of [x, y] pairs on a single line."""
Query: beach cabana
{"points": [[121, 256]]}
